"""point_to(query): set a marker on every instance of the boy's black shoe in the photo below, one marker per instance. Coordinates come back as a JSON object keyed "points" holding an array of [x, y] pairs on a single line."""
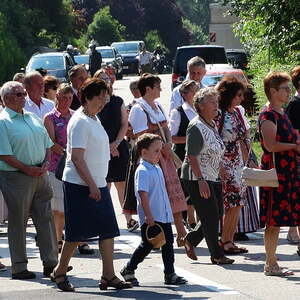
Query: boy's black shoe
{"points": [[129, 276], [174, 279]]}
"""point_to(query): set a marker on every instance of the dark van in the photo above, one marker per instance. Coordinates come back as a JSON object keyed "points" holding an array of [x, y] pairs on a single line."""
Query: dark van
{"points": [[211, 54]]}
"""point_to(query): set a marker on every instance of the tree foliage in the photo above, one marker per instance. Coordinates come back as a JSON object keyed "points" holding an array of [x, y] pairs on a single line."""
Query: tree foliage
{"points": [[197, 34], [269, 23], [105, 29]]}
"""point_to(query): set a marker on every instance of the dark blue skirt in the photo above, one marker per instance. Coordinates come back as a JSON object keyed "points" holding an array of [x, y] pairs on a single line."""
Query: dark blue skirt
{"points": [[87, 219]]}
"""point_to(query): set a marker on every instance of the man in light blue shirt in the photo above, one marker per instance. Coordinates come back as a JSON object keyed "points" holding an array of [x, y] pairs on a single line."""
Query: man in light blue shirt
{"points": [[24, 159]]}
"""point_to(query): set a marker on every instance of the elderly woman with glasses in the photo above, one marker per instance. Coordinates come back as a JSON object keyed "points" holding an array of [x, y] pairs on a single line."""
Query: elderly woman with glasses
{"points": [[201, 175], [178, 123], [89, 212]]}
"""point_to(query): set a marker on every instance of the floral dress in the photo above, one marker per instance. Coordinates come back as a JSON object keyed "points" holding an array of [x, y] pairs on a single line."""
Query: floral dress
{"points": [[280, 206], [232, 132]]}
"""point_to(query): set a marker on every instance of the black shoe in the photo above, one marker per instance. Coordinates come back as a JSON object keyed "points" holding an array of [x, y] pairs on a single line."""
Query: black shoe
{"points": [[174, 279], [85, 249], [129, 276], [23, 275], [49, 270], [132, 225]]}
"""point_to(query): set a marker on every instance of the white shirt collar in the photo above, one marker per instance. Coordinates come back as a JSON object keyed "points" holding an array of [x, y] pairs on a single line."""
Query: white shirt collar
{"points": [[186, 106]]}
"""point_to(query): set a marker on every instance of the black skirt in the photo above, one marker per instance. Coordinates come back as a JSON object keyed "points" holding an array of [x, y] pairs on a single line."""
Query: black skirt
{"points": [[85, 218]]}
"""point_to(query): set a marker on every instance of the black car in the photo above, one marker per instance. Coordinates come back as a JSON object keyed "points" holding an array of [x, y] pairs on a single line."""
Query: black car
{"points": [[238, 58], [110, 56], [130, 53], [210, 53], [55, 63]]}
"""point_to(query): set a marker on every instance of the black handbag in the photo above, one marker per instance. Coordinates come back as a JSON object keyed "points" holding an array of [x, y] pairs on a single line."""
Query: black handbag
{"points": [[60, 166]]}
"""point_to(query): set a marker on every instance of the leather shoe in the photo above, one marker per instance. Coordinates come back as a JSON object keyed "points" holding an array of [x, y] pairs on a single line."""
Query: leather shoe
{"points": [[23, 275], [189, 249]]}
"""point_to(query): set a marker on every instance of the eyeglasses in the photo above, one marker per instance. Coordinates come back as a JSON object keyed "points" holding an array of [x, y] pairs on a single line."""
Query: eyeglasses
{"points": [[157, 86], [24, 94]]}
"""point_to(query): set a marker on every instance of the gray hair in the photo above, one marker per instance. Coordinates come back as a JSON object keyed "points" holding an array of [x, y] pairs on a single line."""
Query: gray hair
{"points": [[8, 88], [196, 61], [203, 94], [187, 85], [30, 75], [134, 84], [18, 77], [64, 88]]}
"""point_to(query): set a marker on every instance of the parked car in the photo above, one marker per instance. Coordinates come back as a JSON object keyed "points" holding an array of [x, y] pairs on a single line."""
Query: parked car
{"points": [[55, 63], [215, 73], [111, 56], [82, 60], [238, 58], [211, 54], [130, 54]]}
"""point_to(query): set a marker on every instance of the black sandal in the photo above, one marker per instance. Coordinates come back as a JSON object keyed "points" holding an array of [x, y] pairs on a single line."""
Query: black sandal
{"points": [[85, 249], [132, 225], [115, 282], [59, 246], [174, 279], [64, 285]]}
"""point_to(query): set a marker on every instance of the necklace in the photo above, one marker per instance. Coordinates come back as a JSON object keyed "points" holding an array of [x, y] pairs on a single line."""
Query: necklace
{"points": [[90, 116]]}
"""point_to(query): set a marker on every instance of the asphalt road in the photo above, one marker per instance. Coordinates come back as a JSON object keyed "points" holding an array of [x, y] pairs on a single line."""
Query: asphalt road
{"points": [[242, 280]]}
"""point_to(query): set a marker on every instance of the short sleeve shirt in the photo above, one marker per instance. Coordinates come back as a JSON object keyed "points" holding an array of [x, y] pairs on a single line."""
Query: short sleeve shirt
{"points": [[45, 107], [149, 178], [23, 136], [88, 134]]}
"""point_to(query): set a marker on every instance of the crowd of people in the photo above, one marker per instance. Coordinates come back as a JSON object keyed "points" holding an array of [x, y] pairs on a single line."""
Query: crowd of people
{"points": [[183, 167]]}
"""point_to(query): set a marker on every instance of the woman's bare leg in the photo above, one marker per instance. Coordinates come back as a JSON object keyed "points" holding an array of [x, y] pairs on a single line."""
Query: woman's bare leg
{"points": [[271, 240], [106, 248]]}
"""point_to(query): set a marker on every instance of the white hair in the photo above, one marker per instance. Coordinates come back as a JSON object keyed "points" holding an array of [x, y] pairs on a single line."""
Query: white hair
{"points": [[8, 88]]}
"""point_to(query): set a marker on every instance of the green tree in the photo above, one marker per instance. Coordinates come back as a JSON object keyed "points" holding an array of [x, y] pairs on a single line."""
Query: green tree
{"points": [[272, 24], [197, 34], [104, 28], [11, 56]]}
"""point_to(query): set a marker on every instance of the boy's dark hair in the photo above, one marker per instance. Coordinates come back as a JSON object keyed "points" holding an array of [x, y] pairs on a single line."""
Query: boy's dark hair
{"points": [[145, 140]]}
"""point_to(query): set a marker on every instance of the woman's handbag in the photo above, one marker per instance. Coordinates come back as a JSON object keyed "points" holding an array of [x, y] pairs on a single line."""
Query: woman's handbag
{"points": [[157, 241], [60, 166]]}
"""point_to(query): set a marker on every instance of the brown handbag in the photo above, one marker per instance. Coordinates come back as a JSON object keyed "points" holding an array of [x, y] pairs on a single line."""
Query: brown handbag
{"points": [[157, 241]]}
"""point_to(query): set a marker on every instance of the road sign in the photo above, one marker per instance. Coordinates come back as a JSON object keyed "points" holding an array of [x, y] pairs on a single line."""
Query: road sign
{"points": [[212, 37]]}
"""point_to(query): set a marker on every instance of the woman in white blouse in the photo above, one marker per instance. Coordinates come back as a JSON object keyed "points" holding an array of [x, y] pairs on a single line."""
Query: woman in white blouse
{"points": [[148, 116], [89, 212], [178, 123]]}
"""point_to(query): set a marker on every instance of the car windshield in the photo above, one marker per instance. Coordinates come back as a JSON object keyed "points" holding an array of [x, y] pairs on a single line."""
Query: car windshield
{"points": [[210, 56], [237, 56], [81, 59], [47, 63], [127, 47], [106, 53]]}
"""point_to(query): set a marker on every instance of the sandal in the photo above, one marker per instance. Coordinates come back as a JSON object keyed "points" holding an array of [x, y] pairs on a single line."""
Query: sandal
{"points": [[232, 250], [85, 249], [275, 270], [189, 249], [59, 246], [132, 225], [174, 279], [115, 282], [63, 285], [180, 241]]}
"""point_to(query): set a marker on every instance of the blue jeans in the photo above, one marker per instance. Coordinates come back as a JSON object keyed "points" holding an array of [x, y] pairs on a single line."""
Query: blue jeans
{"points": [[145, 248]]}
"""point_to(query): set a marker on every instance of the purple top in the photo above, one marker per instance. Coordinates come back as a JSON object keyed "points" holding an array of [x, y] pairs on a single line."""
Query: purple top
{"points": [[60, 129]]}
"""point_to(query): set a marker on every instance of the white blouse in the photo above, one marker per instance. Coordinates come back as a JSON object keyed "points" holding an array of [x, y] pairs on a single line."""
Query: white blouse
{"points": [[88, 134], [138, 119]]}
